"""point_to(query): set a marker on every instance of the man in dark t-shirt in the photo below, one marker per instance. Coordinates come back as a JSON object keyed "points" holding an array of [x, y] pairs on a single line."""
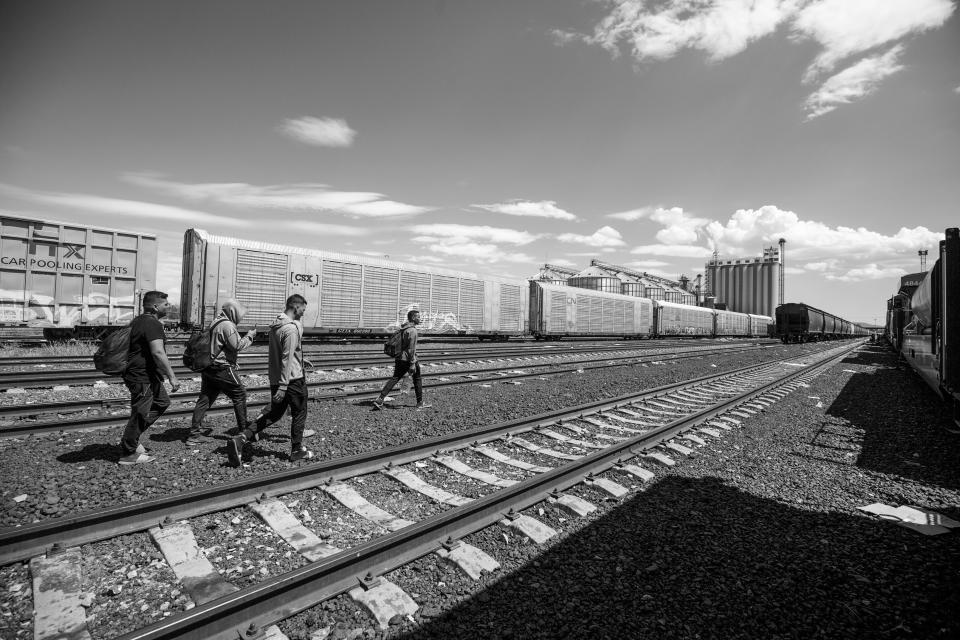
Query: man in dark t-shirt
{"points": [[146, 364]]}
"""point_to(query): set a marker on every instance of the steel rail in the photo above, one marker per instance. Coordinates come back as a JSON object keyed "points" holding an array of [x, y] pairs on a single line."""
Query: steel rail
{"points": [[254, 607], [40, 379], [24, 542], [338, 387]]}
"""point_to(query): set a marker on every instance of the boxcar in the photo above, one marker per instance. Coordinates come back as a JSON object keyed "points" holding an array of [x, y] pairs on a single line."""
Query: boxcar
{"points": [[557, 311], [683, 320], [346, 294], [760, 325], [731, 323], [72, 280]]}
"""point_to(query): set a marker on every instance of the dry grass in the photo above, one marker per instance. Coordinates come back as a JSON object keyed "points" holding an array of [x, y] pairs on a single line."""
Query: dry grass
{"points": [[49, 351]]}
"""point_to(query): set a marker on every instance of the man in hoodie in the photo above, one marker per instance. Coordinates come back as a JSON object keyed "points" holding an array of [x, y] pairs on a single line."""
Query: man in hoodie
{"points": [[288, 384], [406, 362], [221, 376]]}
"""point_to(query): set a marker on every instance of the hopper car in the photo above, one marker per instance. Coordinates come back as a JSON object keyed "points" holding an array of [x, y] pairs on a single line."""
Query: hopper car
{"points": [[929, 341], [799, 322]]}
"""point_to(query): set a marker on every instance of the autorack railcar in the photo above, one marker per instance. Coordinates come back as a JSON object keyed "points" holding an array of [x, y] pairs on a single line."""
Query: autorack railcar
{"points": [[557, 311], [72, 280], [346, 294]]}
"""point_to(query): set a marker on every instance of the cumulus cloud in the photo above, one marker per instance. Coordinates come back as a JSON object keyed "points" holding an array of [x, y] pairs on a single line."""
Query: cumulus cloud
{"points": [[680, 251], [305, 197], [853, 83], [462, 233], [678, 226], [632, 214], [602, 237], [121, 208], [321, 132], [474, 243], [647, 264], [654, 30], [868, 272], [542, 209]]}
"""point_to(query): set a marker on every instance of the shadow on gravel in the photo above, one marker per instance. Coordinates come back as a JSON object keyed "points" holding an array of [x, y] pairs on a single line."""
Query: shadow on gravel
{"points": [[696, 558], [897, 422], [100, 451]]}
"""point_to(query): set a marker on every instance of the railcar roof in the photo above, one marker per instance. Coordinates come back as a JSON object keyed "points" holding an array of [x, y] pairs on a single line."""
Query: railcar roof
{"points": [[76, 225]]}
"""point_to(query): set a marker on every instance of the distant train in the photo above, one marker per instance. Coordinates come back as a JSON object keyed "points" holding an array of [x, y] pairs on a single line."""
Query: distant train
{"points": [[358, 295], [78, 281], [799, 322], [923, 323]]}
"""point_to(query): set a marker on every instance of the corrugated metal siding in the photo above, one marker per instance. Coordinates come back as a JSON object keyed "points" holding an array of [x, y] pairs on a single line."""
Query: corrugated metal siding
{"points": [[340, 294], [471, 304], [444, 299], [558, 312], [261, 285], [380, 296], [509, 307], [414, 291]]}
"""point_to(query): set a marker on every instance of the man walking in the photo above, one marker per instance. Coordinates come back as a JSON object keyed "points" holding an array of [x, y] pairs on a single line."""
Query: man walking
{"points": [[406, 361], [146, 362], [288, 384], [221, 376]]}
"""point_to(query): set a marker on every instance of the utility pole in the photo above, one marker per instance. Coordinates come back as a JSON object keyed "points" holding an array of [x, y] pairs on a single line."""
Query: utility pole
{"points": [[783, 243]]}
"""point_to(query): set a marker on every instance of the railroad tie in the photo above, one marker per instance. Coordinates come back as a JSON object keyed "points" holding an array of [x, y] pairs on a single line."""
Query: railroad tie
{"points": [[493, 454], [456, 465], [659, 457], [529, 527], [694, 439], [529, 446], [288, 526], [469, 559], [679, 448], [348, 497], [572, 504], [200, 578], [550, 433], [713, 433], [610, 487], [57, 598], [383, 600], [636, 471], [413, 481]]}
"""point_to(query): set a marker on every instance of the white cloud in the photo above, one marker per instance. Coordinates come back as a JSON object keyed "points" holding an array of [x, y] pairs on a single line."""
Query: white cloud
{"points": [[477, 252], [821, 267], [323, 229], [853, 83], [842, 29], [306, 197], [541, 209], [562, 262], [845, 28], [120, 208], [680, 251], [323, 132], [602, 237], [957, 90], [679, 227], [465, 233], [633, 214], [868, 272], [647, 264]]}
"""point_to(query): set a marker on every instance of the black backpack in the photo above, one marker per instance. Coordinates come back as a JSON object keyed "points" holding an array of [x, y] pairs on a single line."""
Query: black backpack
{"points": [[394, 344], [111, 355], [196, 354]]}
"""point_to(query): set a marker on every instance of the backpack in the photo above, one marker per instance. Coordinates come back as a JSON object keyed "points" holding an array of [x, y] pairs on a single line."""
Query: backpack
{"points": [[196, 354], [111, 355], [394, 344]]}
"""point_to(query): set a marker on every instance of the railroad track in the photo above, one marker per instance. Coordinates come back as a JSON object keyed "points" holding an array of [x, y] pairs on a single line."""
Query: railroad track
{"points": [[530, 461], [256, 364], [348, 389]]}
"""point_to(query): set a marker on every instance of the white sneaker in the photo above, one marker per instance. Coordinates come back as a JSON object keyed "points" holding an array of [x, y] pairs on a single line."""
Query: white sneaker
{"points": [[135, 458], [309, 433]]}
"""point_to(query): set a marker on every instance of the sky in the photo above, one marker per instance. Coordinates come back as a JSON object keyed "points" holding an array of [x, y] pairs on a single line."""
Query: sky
{"points": [[496, 136]]}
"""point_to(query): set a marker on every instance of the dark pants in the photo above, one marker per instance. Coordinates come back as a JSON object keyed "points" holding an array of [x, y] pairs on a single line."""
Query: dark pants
{"points": [[213, 382], [400, 369], [296, 399], [148, 401]]}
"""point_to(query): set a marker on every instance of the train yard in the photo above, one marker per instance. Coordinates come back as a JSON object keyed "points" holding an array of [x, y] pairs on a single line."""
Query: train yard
{"points": [[488, 446]]}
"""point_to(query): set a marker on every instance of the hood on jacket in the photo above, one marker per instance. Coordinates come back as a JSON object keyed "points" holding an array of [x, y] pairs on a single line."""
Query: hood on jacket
{"points": [[233, 311], [281, 320]]}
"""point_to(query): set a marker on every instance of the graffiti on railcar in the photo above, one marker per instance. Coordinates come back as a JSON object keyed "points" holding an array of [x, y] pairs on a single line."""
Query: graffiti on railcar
{"points": [[431, 321]]}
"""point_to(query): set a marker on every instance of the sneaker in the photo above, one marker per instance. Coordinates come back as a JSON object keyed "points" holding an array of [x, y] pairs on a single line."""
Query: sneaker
{"points": [[378, 404], [235, 449], [301, 454], [135, 458], [423, 405], [309, 433], [195, 440], [141, 448]]}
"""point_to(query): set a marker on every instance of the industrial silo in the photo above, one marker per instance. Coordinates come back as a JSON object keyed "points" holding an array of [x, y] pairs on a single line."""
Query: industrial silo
{"points": [[596, 279], [652, 289], [630, 285]]}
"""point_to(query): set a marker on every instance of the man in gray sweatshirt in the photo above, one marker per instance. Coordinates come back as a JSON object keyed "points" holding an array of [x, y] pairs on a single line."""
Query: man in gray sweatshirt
{"points": [[221, 376], [288, 384]]}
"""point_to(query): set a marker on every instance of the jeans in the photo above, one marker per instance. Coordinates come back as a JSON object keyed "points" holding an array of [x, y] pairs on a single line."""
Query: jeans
{"points": [[213, 382], [400, 369], [148, 401], [296, 399]]}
